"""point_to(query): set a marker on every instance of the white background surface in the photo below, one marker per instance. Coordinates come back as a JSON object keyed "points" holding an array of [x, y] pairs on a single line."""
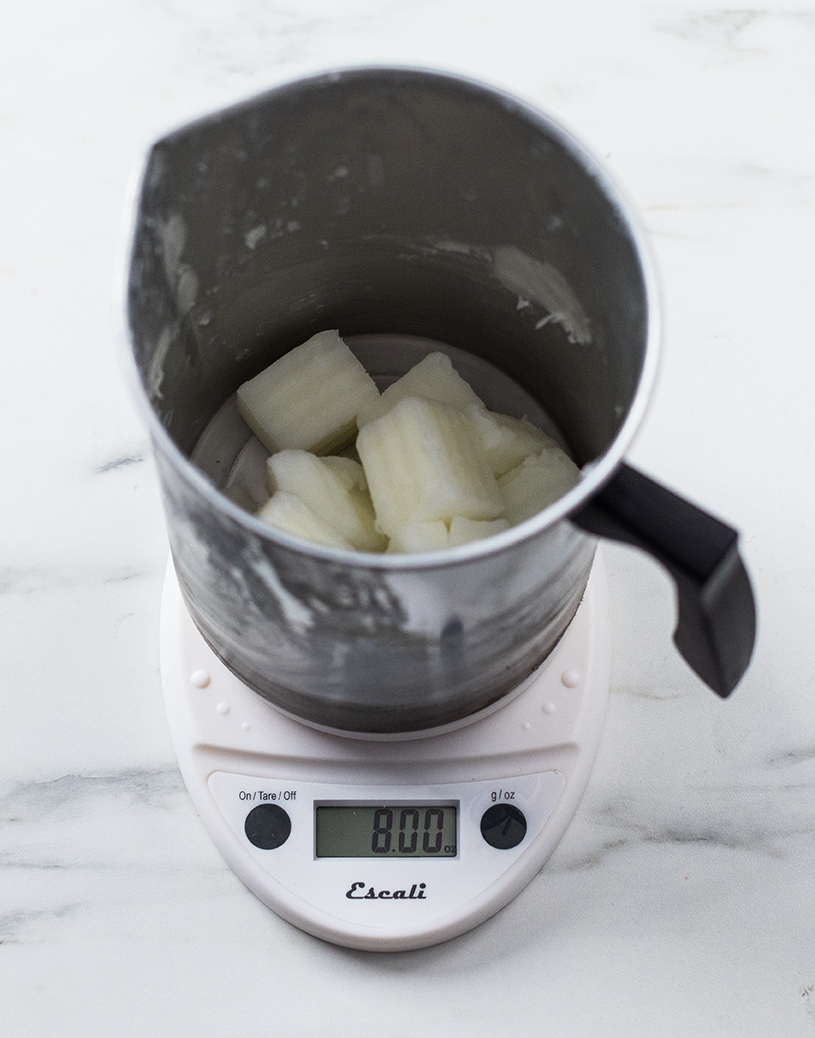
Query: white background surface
{"points": [[680, 900]]}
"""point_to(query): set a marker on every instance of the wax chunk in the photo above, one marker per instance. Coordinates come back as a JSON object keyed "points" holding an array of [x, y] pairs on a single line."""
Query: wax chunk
{"points": [[506, 441], [309, 398], [335, 491], [433, 378], [537, 482], [464, 531], [422, 465], [418, 537], [288, 513]]}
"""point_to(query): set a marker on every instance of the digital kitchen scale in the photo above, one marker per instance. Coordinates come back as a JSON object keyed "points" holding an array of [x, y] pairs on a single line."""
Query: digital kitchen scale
{"points": [[387, 842]]}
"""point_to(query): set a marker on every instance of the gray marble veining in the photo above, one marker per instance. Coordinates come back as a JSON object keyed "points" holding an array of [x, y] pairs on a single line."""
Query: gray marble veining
{"points": [[680, 898]]}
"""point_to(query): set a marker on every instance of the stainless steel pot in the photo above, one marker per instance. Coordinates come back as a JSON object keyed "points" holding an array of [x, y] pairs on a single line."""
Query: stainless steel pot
{"points": [[407, 209]]}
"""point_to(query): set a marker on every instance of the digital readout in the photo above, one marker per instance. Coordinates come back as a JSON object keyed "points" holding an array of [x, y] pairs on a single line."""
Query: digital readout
{"points": [[386, 831]]}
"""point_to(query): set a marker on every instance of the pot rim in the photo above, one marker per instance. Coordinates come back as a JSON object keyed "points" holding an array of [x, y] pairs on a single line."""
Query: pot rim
{"points": [[594, 474]]}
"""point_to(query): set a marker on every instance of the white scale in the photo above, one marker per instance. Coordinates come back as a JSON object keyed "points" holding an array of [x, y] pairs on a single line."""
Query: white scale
{"points": [[387, 843]]}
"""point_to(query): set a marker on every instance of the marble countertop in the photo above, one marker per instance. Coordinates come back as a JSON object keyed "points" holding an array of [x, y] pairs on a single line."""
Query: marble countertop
{"points": [[680, 899]]}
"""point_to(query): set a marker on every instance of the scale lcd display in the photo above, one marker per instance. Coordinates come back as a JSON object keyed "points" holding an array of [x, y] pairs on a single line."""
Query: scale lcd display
{"points": [[389, 831]]}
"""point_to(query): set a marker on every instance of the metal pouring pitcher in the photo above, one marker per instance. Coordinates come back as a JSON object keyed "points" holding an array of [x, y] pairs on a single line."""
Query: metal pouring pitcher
{"points": [[412, 211]]}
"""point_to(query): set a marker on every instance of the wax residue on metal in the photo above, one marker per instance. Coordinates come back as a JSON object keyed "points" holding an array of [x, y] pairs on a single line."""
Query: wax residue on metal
{"points": [[543, 284], [180, 276]]}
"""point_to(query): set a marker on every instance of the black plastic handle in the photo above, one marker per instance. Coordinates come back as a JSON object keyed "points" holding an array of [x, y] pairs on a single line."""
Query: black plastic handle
{"points": [[716, 629]]}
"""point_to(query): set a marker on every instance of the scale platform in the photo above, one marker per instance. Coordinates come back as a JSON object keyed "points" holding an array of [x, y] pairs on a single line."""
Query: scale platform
{"points": [[387, 843]]}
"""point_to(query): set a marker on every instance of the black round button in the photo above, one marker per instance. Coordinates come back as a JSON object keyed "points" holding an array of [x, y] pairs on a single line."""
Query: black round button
{"points": [[267, 826], [503, 826]]}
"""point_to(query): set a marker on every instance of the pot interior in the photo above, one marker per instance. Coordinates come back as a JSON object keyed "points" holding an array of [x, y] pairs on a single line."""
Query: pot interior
{"points": [[382, 203]]}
